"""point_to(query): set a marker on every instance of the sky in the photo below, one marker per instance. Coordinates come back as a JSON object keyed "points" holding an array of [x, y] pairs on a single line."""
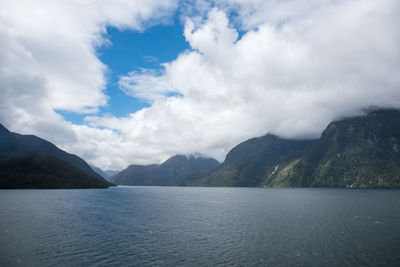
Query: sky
{"points": [[134, 82]]}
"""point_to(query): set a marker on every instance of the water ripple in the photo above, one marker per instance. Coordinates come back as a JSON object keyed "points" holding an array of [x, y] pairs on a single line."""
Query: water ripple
{"points": [[169, 226]]}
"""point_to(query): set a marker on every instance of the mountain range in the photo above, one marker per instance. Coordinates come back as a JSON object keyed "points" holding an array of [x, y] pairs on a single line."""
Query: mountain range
{"points": [[169, 173], [361, 151], [27, 161], [247, 163]]}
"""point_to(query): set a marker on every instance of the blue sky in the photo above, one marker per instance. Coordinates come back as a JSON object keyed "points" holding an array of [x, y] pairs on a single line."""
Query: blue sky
{"points": [[250, 67], [130, 50]]}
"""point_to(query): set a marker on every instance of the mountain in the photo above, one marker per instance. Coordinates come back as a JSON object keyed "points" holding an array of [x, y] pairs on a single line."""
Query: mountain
{"points": [[32, 170], [107, 174], [24, 148], [171, 172], [247, 163], [98, 171], [361, 151], [110, 173], [354, 152]]}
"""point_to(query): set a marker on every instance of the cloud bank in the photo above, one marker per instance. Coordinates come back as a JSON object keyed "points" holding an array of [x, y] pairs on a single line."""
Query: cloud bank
{"points": [[284, 67]]}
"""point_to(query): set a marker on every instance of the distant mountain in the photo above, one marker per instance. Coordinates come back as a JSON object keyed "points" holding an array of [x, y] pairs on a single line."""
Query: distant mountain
{"points": [[110, 173], [247, 163], [105, 174], [355, 152], [171, 172], [24, 148]]}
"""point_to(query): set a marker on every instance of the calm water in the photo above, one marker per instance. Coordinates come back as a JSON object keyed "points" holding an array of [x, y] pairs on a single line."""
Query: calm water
{"points": [[200, 226]]}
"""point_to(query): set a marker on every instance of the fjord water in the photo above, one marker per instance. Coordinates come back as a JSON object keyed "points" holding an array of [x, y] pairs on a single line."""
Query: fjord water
{"points": [[200, 226]]}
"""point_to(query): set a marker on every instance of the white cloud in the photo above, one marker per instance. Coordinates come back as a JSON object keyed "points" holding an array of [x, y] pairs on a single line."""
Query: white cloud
{"points": [[148, 85], [299, 65], [293, 72], [48, 59], [58, 41]]}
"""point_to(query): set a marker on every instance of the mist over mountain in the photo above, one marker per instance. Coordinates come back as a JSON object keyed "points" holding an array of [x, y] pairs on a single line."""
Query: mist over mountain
{"points": [[171, 172], [36, 159], [355, 152], [107, 174], [361, 151]]}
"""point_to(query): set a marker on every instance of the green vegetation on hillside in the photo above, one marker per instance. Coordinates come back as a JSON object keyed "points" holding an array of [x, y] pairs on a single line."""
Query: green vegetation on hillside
{"points": [[249, 162], [357, 152]]}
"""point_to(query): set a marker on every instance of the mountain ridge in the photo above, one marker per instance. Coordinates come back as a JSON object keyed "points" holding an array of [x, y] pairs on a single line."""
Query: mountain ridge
{"points": [[14, 143], [169, 173], [361, 151], [39, 171], [246, 163], [107, 174]]}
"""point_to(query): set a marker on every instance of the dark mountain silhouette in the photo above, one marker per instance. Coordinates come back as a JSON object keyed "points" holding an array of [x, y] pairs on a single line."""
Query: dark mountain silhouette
{"points": [[27, 147], [32, 170]]}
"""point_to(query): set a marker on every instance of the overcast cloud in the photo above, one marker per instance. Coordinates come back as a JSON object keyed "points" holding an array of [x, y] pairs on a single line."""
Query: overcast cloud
{"points": [[298, 66]]}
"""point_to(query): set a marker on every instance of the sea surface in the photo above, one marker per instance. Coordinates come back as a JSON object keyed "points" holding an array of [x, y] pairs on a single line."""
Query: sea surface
{"points": [[170, 226]]}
